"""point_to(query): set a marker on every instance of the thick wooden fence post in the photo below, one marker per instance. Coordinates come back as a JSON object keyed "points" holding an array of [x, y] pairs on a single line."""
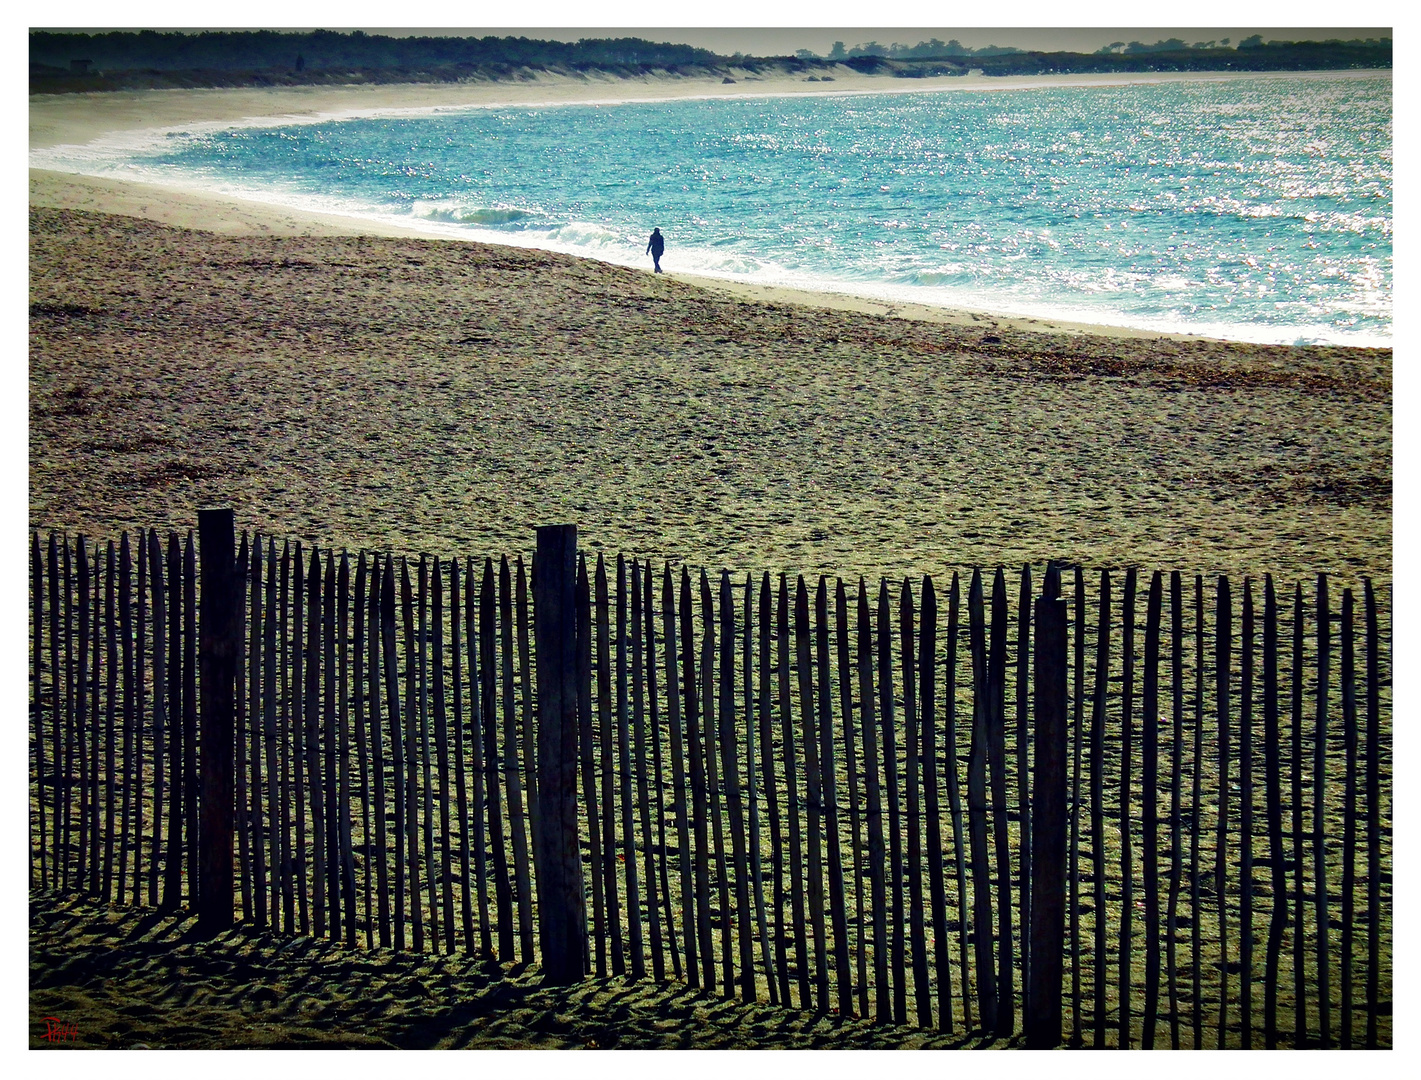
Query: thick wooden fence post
{"points": [[562, 920], [219, 646], [1048, 829]]}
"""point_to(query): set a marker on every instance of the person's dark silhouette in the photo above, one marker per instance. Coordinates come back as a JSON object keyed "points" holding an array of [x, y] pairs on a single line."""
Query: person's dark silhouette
{"points": [[656, 245]]}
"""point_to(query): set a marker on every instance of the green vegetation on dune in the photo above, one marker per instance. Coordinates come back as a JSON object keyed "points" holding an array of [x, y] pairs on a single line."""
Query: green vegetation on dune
{"points": [[62, 62]]}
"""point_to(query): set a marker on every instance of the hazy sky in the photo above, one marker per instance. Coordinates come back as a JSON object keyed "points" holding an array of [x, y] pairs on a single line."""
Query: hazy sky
{"points": [[763, 27]]}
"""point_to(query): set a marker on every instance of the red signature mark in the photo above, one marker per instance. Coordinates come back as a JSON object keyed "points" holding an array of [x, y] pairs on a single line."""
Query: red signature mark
{"points": [[56, 1030]]}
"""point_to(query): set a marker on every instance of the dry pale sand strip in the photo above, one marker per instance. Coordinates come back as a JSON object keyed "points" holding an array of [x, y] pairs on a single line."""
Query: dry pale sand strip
{"points": [[419, 395], [57, 119]]}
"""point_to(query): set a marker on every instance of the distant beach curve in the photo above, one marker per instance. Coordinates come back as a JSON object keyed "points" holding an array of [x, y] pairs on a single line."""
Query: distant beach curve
{"points": [[1122, 221]]}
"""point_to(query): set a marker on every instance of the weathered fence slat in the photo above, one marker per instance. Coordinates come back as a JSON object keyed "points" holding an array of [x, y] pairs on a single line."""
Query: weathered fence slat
{"points": [[629, 851], [37, 714], [1245, 831], [779, 991], [314, 764], [1127, 881], [813, 781], [1073, 851], [219, 652], [829, 797], [678, 779], [1349, 815], [977, 810], [1176, 834], [699, 805], [792, 803], [735, 806], [1223, 653], [110, 716], [243, 815], [84, 714], [1374, 840], [347, 850], [1024, 613], [255, 658], [96, 741], [517, 830], [927, 670], [1149, 797], [377, 745], [607, 765], [912, 737], [889, 748], [608, 768], [360, 676], [329, 739], [1296, 807], [286, 858], [1319, 802], [997, 760], [756, 868], [655, 718], [441, 743], [479, 628], [61, 577], [1273, 798], [503, 894], [1042, 1019], [873, 812], [530, 739], [424, 754], [639, 672], [299, 762], [562, 915], [582, 601], [952, 777], [457, 614], [278, 671], [1097, 813], [414, 669], [712, 755], [395, 723], [846, 710], [1196, 814], [190, 703], [139, 688], [127, 836]]}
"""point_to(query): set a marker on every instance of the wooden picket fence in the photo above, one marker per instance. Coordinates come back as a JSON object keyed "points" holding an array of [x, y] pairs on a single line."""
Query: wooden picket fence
{"points": [[816, 795]]}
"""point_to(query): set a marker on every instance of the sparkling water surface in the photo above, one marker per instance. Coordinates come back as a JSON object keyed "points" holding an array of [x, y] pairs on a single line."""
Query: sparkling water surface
{"points": [[1256, 208]]}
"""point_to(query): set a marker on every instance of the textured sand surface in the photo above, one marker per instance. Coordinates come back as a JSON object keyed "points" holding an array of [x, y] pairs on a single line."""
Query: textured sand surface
{"points": [[446, 397], [125, 978]]}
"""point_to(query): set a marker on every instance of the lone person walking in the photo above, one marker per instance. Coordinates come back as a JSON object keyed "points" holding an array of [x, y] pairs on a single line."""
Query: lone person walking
{"points": [[656, 245]]}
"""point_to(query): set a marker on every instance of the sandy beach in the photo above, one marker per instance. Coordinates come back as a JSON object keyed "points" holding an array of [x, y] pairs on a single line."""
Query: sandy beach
{"points": [[362, 386], [371, 388], [76, 119]]}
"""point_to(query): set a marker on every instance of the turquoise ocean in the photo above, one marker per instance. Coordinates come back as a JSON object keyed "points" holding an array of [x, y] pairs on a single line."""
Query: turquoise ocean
{"points": [[1252, 208]]}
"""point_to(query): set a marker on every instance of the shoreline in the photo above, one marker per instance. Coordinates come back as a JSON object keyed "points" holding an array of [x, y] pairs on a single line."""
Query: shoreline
{"points": [[392, 394], [67, 119]]}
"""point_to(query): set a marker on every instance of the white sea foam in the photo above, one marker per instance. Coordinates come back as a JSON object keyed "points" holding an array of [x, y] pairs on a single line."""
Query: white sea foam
{"points": [[1035, 209]]}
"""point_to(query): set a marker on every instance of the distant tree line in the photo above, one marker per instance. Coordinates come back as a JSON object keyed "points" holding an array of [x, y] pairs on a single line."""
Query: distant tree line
{"points": [[127, 59], [323, 50], [1251, 54]]}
